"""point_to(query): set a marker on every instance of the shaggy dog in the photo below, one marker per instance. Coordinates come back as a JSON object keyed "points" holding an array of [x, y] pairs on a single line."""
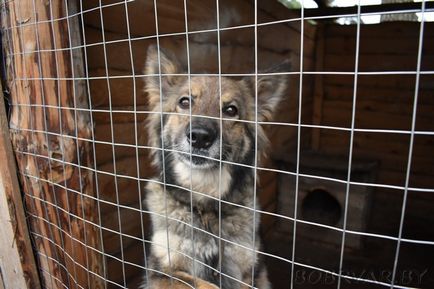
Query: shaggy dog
{"points": [[202, 209]]}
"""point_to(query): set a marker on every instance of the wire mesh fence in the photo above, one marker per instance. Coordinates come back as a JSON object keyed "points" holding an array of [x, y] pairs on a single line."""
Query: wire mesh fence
{"points": [[202, 144]]}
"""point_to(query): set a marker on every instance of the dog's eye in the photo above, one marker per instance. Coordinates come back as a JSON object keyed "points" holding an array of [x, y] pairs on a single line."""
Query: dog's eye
{"points": [[230, 110], [184, 102]]}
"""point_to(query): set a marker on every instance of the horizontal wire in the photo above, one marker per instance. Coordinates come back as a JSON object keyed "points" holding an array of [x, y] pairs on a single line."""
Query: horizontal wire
{"points": [[314, 224], [289, 73], [343, 181], [274, 123]]}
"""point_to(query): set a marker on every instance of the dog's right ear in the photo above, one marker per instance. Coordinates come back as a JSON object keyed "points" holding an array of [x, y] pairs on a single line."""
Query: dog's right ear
{"points": [[161, 63]]}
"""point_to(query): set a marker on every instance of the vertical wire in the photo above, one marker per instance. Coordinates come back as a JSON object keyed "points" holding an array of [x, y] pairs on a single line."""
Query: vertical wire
{"points": [[190, 144], [410, 150], [139, 187], [18, 10], [112, 141], [163, 160], [76, 139], [93, 142], [221, 141], [62, 144], [350, 154], [297, 170], [256, 146]]}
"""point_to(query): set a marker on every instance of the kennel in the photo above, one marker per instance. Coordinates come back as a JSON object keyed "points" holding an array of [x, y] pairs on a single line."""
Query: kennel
{"points": [[355, 133]]}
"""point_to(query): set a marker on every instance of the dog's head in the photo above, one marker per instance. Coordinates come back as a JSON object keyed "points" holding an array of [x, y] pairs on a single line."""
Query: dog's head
{"points": [[192, 108]]}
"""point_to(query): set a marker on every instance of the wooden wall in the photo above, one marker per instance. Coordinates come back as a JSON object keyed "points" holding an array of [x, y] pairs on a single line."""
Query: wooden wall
{"points": [[383, 102], [276, 43]]}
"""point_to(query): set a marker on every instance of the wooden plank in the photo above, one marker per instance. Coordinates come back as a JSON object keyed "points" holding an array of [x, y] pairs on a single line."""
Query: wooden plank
{"points": [[375, 62], [378, 116], [365, 106], [17, 264], [45, 178], [377, 144], [141, 16], [398, 81], [344, 92], [387, 43], [343, 11], [336, 139], [407, 30]]}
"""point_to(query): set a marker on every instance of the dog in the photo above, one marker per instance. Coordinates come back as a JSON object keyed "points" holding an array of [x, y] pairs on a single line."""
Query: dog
{"points": [[202, 210]]}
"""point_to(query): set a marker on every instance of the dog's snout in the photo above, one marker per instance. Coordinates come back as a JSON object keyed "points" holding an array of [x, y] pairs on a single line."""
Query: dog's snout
{"points": [[201, 137]]}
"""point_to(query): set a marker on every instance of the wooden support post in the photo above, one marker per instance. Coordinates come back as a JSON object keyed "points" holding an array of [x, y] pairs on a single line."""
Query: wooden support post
{"points": [[48, 137], [17, 263]]}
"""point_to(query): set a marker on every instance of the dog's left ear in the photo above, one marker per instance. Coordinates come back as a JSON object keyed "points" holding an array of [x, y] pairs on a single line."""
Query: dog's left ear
{"points": [[160, 62], [271, 90]]}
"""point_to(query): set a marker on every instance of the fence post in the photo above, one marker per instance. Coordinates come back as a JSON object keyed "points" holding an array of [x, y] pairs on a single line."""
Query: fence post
{"points": [[17, 263], [51, 134]]}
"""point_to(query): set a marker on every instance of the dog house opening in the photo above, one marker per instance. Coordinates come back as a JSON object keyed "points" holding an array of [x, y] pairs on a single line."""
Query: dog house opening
{"points": [[321, 207]]}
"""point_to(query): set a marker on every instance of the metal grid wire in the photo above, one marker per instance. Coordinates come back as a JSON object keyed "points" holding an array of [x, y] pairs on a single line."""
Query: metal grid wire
{"points": [[135, 112]]}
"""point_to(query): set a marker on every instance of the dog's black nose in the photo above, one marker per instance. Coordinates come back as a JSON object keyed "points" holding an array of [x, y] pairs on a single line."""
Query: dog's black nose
{"points": [[201, 138]]}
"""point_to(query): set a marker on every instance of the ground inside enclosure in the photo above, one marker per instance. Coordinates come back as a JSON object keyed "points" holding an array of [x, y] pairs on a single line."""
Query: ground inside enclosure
{"points": [[374, 262]]}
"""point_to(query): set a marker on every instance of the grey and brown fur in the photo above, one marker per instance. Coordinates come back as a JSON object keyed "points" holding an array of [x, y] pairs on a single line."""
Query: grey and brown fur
{"points": [[236, 259]]}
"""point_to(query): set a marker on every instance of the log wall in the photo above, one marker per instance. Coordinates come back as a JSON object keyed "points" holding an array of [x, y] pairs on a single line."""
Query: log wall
{"points": [[383, 102]]}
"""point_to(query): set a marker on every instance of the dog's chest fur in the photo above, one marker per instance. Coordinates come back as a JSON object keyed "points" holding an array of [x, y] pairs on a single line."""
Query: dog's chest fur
{"points": [[236, 227]]}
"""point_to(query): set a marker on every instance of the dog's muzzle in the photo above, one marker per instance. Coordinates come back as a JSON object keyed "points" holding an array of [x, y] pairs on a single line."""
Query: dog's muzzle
{"points": [[203, 137]]}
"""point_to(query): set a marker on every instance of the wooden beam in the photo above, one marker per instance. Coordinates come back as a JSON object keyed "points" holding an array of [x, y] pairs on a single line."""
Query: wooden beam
{"points": [[17, 263], [340, 11], [59, 194]]}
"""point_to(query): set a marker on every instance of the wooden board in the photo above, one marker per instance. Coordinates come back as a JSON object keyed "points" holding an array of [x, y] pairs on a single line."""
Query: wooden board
{"points": [[17, 264]]}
